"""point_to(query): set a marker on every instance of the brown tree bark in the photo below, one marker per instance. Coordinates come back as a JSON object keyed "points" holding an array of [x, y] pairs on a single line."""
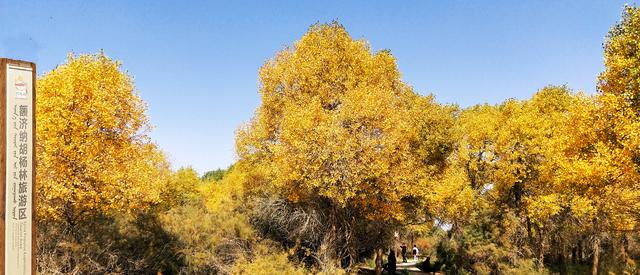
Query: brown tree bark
{"points": [[580, 257], [351, 245], [541, 245], [379, 256], [529, 235], [596, 256], [563, 257]]}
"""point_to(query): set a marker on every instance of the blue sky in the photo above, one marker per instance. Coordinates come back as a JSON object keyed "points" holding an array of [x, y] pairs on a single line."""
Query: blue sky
{"points": [[195, 62]]}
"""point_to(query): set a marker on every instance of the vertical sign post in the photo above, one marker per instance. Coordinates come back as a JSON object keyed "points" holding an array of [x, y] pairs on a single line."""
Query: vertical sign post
{"points": [[17, 164]]}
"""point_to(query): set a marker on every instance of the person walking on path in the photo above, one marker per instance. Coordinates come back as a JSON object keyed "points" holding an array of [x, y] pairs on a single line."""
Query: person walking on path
{"points": [[403, 249], [415, 253], [391, 262]]}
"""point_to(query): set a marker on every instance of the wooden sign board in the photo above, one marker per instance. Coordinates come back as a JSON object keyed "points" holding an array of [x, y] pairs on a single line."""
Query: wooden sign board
{"points": [[17, 166]]}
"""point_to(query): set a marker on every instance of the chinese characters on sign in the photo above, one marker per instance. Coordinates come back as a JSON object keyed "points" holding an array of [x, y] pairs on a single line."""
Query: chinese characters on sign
{"points": [[20, 160], [19, 165]]}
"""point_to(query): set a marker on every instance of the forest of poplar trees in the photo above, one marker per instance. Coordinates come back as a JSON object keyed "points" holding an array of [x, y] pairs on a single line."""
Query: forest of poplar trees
{"points": [[341, 162]]}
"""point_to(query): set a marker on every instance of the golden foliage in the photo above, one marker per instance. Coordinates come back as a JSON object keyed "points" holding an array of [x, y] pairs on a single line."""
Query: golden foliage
{"points": [[268, 262], [181, 188], [337, 121], [604, 157], [93, 154]]}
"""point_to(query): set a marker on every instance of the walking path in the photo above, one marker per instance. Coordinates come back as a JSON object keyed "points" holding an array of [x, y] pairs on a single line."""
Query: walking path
{"points": [[408, 266], [401, 268]]}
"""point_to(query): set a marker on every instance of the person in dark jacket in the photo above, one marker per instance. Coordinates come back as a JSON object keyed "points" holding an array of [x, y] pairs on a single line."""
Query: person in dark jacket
{"points": [[403, 248], [390, 266], [426, 265], [428, 268]]}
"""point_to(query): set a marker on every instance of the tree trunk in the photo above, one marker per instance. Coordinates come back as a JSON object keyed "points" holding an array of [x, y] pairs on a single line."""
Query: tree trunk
{"points": [[540, 245], [622, 243], [564, 257], [580, 257], [379, 256], [596, 256], [529, 235], [351, 244], [541, 252]]}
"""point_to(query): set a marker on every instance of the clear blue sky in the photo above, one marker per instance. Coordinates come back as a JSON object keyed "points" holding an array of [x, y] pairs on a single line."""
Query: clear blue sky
{"points": [[195, 62]]}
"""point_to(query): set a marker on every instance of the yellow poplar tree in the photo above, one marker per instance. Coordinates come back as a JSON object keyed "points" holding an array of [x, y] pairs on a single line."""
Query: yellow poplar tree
{"points": [[603, 170], [528, 146], [336, 122], [619, 92], [507, 158], [471, 166], [93, 153]]}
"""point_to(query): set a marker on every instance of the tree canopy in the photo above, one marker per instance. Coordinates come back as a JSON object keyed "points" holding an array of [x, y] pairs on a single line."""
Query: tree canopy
{"points": [[93, 152]]}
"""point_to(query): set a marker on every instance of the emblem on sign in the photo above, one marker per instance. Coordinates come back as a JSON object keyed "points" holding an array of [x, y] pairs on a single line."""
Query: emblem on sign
{"points": [[21, 87]]}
